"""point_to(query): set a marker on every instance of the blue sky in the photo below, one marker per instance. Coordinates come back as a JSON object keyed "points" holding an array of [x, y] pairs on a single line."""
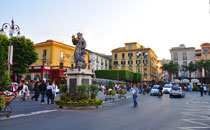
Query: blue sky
{"points": [[108, 24]]}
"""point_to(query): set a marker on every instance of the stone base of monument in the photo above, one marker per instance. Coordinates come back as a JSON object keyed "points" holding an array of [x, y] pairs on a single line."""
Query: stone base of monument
{"points": [[78, 77]]}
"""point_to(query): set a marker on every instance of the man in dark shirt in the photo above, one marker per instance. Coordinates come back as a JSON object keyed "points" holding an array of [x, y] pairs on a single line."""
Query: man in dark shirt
{"points": [[42, 89]]}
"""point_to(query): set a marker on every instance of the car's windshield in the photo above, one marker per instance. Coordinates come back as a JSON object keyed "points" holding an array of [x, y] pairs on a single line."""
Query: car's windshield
{"points": [[167, 86], [155, 87], [176, 88]]}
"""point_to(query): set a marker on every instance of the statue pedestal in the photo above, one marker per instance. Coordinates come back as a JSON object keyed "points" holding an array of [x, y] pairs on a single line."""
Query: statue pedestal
{"points": [[78, 77]]}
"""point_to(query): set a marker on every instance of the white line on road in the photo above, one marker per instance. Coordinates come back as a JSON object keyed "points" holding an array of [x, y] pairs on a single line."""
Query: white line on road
{"points": [[30, 114]]}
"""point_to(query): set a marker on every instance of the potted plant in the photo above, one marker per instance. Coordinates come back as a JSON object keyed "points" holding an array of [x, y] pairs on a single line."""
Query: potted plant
{"points": [[6, 96]]}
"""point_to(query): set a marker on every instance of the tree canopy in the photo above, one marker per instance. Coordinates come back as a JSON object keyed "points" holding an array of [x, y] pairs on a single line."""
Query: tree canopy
{"points": [[23, 53]]}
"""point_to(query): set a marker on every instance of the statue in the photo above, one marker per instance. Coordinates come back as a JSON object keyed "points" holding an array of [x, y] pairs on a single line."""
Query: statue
{"points": [[80, 52]]}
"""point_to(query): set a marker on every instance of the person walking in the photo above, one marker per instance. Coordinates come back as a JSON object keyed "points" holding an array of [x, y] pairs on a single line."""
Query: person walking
{"points": [[50, 93], [201, 90], [204, 89], [42, 90], [36, 91], [135, 95], [24, 91], [55, 87]]}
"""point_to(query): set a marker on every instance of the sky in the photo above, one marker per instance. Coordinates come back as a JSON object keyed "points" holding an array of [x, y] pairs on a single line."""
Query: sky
{"points": [[108, 24]]}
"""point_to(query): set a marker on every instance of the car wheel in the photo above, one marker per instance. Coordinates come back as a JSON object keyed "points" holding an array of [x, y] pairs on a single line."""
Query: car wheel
{"points": [[170, 96]]}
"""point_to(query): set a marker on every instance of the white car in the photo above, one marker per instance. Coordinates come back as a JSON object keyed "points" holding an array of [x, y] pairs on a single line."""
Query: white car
{"points": [[155, 90], [167, 88]]}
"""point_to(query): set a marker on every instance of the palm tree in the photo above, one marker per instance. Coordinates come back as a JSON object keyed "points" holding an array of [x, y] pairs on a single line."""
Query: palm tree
{"points": [[199, 66], [206, 67], [191, 67], [171, 68]]}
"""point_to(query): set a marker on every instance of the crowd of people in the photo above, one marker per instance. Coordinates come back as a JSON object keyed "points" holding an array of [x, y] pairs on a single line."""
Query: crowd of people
{"points": [[23, 88]]}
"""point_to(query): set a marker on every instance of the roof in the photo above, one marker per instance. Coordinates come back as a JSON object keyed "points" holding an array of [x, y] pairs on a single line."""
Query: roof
{"points": [[205, 44], [52, 42]]}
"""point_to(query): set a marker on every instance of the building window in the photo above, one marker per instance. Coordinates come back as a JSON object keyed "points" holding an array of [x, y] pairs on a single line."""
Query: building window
{"points": [[130, 47], [115, 56], [175, 56], [138, 62], [61, 65], [102, 63], [130, 55], [184, 56], [130, 63], [44, 55], [62, 55], [123, 56], [115, 63], [123, 63]]}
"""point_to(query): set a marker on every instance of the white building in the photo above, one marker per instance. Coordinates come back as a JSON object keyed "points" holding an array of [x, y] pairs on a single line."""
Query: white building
{"points": [[183, 56], [98, 61]]}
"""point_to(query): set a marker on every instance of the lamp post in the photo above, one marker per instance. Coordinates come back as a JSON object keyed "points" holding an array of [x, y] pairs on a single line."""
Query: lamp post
{"points": [[141, 60], [12, 28]]}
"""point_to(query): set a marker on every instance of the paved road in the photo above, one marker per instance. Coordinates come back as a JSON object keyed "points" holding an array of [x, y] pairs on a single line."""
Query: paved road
{"points": [[153, 113]]}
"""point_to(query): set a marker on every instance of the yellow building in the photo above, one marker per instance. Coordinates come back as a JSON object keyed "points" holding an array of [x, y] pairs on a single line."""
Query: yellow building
{"points": [[53, 60], [126, 58]]}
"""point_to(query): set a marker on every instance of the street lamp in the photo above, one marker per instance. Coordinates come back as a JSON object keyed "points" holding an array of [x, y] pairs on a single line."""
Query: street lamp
{"points": [[141, 60], [12, 28]]}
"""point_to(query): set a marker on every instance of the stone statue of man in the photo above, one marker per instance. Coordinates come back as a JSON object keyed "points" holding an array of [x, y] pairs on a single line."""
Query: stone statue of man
{"points": [[80, 52]]}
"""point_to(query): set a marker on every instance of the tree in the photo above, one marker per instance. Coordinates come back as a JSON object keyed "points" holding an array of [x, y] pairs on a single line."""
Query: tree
{"points": [[199, 66], [4, 41], [5, 80], [24, 54], [191, 68], [206, 67], [171, 68]]}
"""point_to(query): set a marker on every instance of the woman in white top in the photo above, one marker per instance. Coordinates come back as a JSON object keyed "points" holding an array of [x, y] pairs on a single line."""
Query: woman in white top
{"points": [[24, 90]]}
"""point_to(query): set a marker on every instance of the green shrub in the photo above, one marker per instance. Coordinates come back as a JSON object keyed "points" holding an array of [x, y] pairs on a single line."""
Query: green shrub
{"points": [[122, 92], [93, 91], [113, 93], [63, 88], [81, 92], [5, 81], [110, 85]]}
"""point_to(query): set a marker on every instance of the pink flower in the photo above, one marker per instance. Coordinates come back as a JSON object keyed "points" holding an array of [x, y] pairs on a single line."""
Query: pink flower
{"points": [[1, 92]]}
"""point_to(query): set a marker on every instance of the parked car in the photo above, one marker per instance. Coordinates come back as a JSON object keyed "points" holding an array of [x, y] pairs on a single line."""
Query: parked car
{"points": [[176, 91], [155, 90], [167, 88]]}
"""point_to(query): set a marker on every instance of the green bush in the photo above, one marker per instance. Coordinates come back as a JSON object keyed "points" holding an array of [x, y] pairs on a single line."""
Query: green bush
{"points": [[5, 81], [81, 92], [113, 93], [110, 85], [93, 91], [122, 91], [63, 88]]}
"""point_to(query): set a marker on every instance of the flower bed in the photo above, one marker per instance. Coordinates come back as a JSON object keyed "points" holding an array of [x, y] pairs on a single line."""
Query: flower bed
{"points": [[80, 105]]}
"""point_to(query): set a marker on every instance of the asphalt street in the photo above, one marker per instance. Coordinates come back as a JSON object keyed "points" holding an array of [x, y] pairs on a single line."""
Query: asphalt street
{"points": [[153, 113]]}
